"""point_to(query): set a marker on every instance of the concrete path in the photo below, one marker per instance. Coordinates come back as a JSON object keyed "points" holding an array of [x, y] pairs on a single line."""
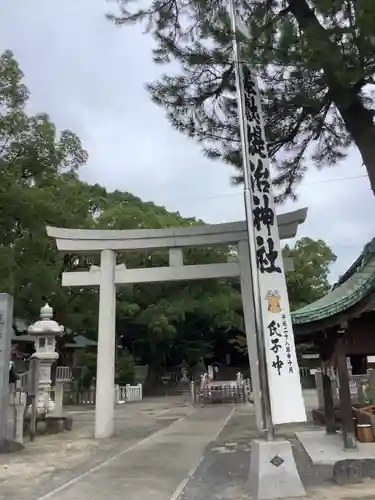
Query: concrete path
{"points": [[53, 460], [163, 450], [157, 467], [223, 471], [137, 465]]}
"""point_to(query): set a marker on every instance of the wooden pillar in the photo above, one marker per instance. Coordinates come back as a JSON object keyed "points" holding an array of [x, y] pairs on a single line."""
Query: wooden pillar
{"points": [[329, 410], [371, 374], [326, 348], [344, 393]]}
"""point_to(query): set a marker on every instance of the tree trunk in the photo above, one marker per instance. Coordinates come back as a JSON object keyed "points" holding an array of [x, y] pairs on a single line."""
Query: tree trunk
{"points": [[358, 120]]}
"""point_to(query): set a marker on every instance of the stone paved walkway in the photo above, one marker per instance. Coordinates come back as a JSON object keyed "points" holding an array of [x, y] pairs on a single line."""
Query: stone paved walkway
{"points": [[52, 460], [154, 452], [163, 450], [223, 471]]}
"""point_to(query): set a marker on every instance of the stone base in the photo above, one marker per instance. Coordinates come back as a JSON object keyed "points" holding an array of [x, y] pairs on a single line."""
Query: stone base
{"points": [[183, 384], [50, 424], [353, 471], [55, 425], [10, 447], [273, 472]]}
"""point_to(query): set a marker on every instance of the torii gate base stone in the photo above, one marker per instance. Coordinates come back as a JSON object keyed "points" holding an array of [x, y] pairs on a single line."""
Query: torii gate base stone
{"points": [[271, 476], [108, 275]]}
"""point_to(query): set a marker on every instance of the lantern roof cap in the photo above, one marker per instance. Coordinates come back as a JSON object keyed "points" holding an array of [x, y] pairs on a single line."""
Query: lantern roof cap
{"points": [[46, 325]]}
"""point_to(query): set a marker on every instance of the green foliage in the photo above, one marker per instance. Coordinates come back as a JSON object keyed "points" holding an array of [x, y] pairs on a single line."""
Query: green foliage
{"points": [[308, 281], [315, 59], [240, 343], [40, 186], [87, 362], [124, 372], [169, 322]]}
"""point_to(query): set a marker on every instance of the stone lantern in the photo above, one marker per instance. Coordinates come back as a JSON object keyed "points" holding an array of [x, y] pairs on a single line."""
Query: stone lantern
{"points": [[45, 332]]}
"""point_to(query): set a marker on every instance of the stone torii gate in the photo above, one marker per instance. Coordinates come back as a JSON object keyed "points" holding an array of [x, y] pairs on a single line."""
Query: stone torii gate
{"points": [[108, 275]]}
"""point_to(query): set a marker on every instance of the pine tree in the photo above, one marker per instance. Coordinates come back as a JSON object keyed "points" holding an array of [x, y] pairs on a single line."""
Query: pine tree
{"points": [[315, 60]]}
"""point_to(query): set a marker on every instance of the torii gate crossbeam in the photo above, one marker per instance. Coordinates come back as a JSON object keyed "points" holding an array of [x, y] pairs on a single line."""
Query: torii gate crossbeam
{"points": [[108, 275]]}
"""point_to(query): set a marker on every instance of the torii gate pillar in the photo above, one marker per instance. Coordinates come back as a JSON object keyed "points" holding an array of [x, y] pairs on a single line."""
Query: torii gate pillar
{"points": [[104, 407]]}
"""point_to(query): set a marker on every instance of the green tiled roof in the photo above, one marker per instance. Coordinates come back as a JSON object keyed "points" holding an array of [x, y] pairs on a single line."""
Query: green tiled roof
{"points": [[356, 284], [81, 341]]}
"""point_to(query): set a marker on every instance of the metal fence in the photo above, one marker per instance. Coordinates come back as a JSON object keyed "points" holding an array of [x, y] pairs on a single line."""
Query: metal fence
{"points": [[128, 393], [63, 374], [221, 392], [123, 394]]}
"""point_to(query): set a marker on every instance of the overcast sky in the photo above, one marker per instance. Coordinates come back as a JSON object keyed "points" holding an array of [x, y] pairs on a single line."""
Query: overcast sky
{"points": [[90, 77]]}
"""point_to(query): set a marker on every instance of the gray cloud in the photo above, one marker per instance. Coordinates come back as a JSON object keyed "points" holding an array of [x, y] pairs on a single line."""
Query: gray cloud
{"points": [[90, 77]]}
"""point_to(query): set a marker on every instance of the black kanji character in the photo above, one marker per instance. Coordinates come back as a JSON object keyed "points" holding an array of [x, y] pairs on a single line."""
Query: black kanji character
{"points": [[276, 345], [263, 215], [278, 364], [257, 145], [290, 369], [249, 81], [267, 259], [260, 177], [273, 328], [251, 108]]}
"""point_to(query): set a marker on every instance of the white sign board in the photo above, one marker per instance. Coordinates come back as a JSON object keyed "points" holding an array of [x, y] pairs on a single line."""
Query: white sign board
{"points": [[6, 317], [287, 404]]}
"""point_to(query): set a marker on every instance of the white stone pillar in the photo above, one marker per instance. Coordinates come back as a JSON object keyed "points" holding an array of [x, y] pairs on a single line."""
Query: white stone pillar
{"points": [[105, 375], [192, 390], [249, 317], [6, 318], [59, 398], [19, 408]]}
